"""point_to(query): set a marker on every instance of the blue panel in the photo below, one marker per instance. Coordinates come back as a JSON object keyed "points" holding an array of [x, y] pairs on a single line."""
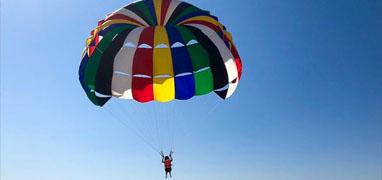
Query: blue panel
{"points": [[181, 60], [81, 72], [184, 87]]}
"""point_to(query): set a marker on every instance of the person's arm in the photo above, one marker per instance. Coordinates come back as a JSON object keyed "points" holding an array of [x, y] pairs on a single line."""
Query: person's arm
{"points": [[161, 153], [171, 155]]}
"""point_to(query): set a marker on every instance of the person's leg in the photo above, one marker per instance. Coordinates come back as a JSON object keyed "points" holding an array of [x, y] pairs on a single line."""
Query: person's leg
{"points": [[166, 174], [170, 174]]}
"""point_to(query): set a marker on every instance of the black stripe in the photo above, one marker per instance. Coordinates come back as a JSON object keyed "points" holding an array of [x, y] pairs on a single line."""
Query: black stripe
{"points": [[218, 68], [178, 10], [102, 101], [105, 69]]}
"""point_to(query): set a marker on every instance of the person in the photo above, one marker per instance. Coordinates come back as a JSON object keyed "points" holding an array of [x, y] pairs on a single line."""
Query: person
{"points": [[167, 161]]}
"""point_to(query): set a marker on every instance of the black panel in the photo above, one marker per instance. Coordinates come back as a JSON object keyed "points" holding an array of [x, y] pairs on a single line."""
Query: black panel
{"points": [[178, 10], [105, 69]]}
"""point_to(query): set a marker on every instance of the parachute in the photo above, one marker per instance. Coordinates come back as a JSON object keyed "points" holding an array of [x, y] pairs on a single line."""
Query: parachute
{"points": [[159, 50]]}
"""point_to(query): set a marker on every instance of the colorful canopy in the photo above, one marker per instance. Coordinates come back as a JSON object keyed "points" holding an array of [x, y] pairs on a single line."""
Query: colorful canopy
{"points": [[159, 50]]}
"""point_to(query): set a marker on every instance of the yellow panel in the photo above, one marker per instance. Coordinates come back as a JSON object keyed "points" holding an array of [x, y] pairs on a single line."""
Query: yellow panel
{"points": [[228, 35], [158, 7], [164, 87], [89, 40], [117, 21]]}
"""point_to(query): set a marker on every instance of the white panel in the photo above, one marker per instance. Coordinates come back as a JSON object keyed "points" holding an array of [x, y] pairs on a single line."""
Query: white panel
{"points": [[123, 62], [129, 45]]}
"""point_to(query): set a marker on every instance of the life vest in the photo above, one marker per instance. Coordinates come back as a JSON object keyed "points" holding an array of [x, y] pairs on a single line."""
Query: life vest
{"points": [[167, 163]]}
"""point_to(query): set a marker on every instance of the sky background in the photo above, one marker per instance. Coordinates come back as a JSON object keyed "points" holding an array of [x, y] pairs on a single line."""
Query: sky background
{"points": [[309, 105]]}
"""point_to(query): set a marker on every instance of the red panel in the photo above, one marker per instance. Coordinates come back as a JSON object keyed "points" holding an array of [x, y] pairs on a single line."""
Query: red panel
{"points": [[239, 66], [101, 22], [142, 88], [165, 5], [91, 50]]}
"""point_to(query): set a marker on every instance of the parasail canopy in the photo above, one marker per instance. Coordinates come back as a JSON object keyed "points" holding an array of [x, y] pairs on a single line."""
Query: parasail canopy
{"points": [[159, 50]]}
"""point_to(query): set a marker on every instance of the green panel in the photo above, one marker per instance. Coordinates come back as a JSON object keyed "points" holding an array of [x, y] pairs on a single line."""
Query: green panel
{"points": [[141, 5], [188, 10], [93, 98], [91, 69], [197, 53], [204, 82], [199, 58]]}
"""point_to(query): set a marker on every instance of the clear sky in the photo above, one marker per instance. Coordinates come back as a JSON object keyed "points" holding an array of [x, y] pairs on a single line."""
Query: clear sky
{"points": [[309, 105]]}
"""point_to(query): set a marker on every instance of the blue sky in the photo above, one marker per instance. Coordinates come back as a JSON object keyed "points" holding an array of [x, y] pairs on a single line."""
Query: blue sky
{"points": [[308, 106]]}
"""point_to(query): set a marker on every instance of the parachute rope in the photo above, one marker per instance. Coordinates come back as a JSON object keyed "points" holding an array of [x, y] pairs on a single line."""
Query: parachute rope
{"points": [[134, 131], [204, 118], [145, 128]]}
